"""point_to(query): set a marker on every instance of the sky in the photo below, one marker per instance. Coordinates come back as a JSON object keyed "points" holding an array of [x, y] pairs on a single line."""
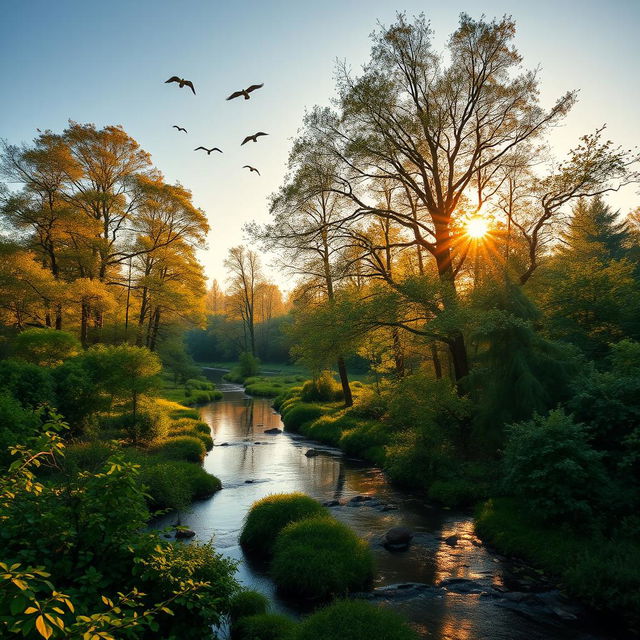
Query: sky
{"points": [[105, 62]]}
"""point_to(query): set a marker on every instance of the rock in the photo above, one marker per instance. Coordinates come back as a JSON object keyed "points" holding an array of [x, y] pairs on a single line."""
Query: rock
{"points": [[397, 538], [388, 507], [273, 432], [184, 533], [256, 443], [357, 501], [331, 503], [224, 444], [311, 453], [461, 585], [248, 481], [168, 535], [452, 541]]}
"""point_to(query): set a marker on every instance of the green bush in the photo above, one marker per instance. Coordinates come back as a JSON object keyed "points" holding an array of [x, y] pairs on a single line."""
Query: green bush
{"points": [[366, 440], [16, 425], [194, 429], [29, 384], [549, 464], [45, 347], [187, 448], [248, 365], [268, 516], [354, 620], [300, 414], [265, 626], [247, 603], [326, 429], [174, 484], [321, 558], [87, 456], [322, 389]]}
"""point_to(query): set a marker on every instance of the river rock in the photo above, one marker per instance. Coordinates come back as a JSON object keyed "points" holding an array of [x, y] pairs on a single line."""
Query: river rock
{"points": [[358, 501], [224, 444], [248, 481], [462, 585], [398, 538], [184, 533], [273, 432], [311, 453], [452, 541], [331, 503]]}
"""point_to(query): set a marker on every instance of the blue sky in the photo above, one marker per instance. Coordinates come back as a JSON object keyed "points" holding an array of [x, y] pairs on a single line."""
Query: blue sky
{"points": [[106, 63]]}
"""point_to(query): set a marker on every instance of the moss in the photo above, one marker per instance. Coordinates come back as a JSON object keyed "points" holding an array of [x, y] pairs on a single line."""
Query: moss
{"points": [[354, 620], [266, 626], [267, 517], [300, 414], [321, 558], [247, 603]]}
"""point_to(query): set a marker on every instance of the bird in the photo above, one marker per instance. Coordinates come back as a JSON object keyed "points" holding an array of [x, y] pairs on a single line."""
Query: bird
{"points": [[175, 126], [254, 137], [182, 83], [245, 92], [247, 166], [208, 150]]}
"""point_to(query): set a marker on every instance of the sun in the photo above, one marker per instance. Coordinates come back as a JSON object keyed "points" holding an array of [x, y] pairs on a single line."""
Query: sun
{"points": [[477, 228]]}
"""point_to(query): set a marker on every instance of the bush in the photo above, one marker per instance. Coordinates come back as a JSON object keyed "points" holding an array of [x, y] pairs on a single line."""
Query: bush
{"points": [[300, 414], [366, 440], [247, 603], [265, 626], [149, 423], [326, 429], [187, 448], [268, 516], [320, 558], [248, 365], [45, 347], [194, 428], [322, 389], [87, 456], [549, 463], [173, 484], [16, 425], [354, 620], [29, 384]]}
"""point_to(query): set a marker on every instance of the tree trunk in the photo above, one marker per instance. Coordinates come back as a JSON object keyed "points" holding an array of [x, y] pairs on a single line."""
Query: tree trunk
{"points": [[437, 365], [344, 380], [398, 354]]}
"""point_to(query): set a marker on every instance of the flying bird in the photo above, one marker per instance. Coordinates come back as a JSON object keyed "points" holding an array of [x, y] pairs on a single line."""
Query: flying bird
{"points": [[175, 126], [208, 150], [254, 137], [247, 166], [245, 92], [182, 83]]}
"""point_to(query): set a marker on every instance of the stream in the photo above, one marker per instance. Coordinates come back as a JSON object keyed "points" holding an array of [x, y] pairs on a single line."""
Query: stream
{"points": [[448, 584]]}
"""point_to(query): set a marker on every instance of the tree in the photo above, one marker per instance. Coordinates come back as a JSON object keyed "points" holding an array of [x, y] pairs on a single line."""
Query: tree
{"points": [[443, 134], [244, 280]]}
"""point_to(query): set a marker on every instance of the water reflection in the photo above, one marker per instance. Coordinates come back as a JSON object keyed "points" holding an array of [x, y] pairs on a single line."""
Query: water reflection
{"points": [[252, 464]]}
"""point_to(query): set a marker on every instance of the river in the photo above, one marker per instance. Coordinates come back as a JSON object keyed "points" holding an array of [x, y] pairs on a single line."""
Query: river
{"points": [[453, 586]]}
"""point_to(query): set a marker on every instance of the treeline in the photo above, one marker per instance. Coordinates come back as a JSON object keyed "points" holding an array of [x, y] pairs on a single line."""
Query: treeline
{"points": [[95, 241], [251, 315], [491, 288]]}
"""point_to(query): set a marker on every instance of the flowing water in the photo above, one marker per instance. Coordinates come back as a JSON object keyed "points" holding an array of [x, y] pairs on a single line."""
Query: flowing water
{"points": [[448, 584]]}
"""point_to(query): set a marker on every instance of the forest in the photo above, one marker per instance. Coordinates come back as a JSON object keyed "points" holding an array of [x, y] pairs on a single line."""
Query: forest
{"points": [[463, 313]]}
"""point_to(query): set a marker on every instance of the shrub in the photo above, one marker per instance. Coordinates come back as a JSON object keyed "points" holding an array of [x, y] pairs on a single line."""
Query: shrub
{"points": [[268, 516], [549, 463], [193, 429], [247, 603], [248, 365], [366, 440], [45, 347], [29, 384], [320, 558], [322, 389], [187, 448], [265, 626], [149, 423], [325, 429], [173, 484], [87, 456], [300, 414], [354, 620], [16, 425]]}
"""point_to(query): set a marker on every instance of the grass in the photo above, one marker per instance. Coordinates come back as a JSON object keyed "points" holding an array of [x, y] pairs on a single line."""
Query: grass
{"points": [[247, 603], [267, 517], [320, 558], [264, 626], [354, 620], [193, 392]]}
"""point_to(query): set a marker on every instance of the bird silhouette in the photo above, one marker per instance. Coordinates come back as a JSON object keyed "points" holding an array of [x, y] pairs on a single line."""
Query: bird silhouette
{"points": [[175, 126], [247, 166], [182, 83], [245, 92], [208, 150], [254, 137]]}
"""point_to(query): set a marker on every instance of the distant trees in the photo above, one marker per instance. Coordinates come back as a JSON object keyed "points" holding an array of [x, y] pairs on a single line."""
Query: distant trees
{"points": [[96, 233]]}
